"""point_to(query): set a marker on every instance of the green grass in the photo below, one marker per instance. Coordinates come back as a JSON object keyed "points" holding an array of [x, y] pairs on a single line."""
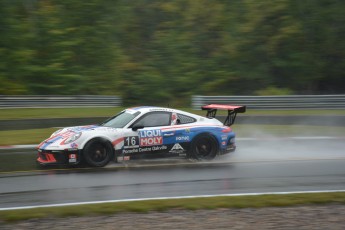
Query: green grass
{"points": [[22, 137], [260, 201], [6, 114]]}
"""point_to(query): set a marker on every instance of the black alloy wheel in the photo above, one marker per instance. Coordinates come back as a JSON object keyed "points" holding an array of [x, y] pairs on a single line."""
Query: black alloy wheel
{"points": [[98, 152], [204, 147]]}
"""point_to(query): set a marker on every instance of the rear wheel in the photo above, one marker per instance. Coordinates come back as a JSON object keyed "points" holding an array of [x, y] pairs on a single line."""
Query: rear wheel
{"points": [[204, 147], [98, 152]]}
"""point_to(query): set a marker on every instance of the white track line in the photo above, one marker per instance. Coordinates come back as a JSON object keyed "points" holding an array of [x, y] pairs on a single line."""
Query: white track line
{"points": [[166, 198]]}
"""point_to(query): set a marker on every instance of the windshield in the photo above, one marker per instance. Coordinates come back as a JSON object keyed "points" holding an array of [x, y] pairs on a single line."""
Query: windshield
{"points": [[120, 120]]}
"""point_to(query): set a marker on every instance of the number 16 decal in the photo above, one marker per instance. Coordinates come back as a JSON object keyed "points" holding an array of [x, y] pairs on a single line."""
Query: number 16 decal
{"points": [[131, 142]]}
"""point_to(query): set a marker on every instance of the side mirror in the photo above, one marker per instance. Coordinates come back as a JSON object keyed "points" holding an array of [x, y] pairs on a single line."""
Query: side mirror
{"points": [[135, 127]]}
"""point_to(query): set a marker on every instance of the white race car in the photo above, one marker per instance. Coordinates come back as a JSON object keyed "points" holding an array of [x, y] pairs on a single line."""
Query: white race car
{"points": [[143, 132]]}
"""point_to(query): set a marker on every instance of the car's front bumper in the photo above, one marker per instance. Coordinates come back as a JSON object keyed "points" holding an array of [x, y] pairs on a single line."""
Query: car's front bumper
{"points": [[59, 157]]}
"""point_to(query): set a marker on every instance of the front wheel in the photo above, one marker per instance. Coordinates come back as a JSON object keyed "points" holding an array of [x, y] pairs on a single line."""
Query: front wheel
{"points": [[204, 147], [98, 152]]}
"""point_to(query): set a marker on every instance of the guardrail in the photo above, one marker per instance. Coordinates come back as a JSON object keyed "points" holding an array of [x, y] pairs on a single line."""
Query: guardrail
{"points": [[275, 102], [50, 101]]}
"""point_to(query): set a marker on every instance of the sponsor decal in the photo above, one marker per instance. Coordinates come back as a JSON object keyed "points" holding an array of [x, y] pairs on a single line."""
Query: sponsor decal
{"points": [[74, 145], [177, 148], [188, 130], [182, 138], [82, 128], [223, 143], [72, 158], [157, 148], [146, 149], [130, 151], [160, 109], [131, 142], [126, 158], [224, 137], [150, 137]]}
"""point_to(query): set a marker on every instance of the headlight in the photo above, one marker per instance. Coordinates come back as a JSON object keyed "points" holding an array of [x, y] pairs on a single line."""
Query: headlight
{"points": [[72, 138], [56, 132]]}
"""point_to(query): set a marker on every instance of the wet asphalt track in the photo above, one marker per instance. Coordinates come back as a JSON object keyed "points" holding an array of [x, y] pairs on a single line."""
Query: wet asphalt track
{"points": [[266, 165]]}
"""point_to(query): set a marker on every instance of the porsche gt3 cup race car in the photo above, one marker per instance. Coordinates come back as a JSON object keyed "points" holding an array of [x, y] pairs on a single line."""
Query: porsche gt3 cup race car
{"points": [[143, 132]]}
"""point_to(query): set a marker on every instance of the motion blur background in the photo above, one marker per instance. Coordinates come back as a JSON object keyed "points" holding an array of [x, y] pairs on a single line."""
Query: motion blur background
{"points": [[162, 52]]}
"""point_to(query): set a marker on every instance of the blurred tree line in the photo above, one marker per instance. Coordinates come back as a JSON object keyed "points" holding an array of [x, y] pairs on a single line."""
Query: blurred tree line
{"points": [[163, 51]]}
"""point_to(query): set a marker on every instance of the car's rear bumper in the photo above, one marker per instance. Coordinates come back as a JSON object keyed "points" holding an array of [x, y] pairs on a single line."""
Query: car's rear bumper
{"points": [[59, 157], [229, 148]]}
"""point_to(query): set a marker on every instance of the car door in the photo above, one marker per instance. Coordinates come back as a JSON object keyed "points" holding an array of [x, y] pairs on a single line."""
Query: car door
{"points": [[149, 136]]}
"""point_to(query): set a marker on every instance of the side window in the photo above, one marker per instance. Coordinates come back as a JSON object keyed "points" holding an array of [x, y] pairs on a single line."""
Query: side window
{"points": [[183, 119], [154, 119]]}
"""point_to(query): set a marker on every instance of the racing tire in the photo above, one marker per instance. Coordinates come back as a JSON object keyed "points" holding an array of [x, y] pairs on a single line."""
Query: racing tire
{"points": [[98, 152], [204, 147]]}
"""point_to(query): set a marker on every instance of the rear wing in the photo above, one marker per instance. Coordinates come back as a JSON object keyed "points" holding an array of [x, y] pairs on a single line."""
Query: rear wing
{"points": [[232, 111]]}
